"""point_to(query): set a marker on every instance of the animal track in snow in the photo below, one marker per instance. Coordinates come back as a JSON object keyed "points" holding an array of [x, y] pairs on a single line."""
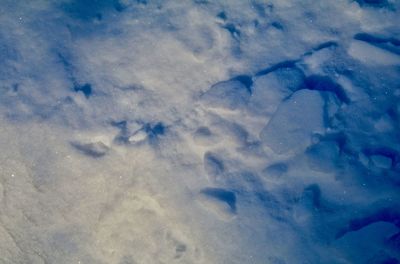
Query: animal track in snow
{"points": [[203, 136], [219, 201], [213, 165], [86, 89], [93, 149]]}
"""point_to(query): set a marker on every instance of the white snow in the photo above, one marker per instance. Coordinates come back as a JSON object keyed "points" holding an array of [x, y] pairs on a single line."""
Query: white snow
{"points": [[149, 131]]}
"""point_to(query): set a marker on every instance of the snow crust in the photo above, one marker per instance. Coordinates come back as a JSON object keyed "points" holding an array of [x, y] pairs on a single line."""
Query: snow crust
{"points": [[146, 131]]}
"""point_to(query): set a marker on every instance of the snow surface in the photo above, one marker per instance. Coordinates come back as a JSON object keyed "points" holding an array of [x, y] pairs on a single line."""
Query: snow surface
{"points": [[196, 131]]}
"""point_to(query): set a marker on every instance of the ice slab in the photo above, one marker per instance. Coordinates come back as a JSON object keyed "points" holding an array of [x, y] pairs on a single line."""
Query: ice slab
{"points": [[295, 121]]}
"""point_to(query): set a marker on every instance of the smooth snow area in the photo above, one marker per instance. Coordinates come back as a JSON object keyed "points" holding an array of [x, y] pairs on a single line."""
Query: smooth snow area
{"points": [[196, 131]]}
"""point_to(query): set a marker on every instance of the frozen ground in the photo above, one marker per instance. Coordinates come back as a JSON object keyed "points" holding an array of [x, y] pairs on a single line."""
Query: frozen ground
{"points": [[140, 131]]}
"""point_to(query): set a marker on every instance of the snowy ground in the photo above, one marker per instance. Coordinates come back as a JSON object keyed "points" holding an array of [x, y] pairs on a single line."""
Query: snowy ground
{"points": [[247, 131]]}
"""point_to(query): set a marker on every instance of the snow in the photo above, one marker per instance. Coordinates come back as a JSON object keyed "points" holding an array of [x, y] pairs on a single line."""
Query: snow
{"points": [[294, 122], [146, 131]]}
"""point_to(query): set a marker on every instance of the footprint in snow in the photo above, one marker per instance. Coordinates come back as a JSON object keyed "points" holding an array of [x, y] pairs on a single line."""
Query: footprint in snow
{"points": [[219, 201], [93, 149]]}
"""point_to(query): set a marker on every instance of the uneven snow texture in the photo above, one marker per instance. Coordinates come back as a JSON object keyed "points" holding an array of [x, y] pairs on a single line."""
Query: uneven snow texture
{"points": [[196, 131]]}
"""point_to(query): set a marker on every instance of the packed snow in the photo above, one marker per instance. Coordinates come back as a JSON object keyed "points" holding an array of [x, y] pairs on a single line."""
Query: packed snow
{"points": [[197, 131]]}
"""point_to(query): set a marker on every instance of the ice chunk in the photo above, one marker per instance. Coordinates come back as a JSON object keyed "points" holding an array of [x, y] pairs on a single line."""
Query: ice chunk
{"points": [[294, 122], [369, 54], [269, 90], [229, 95], [138, 136]]}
